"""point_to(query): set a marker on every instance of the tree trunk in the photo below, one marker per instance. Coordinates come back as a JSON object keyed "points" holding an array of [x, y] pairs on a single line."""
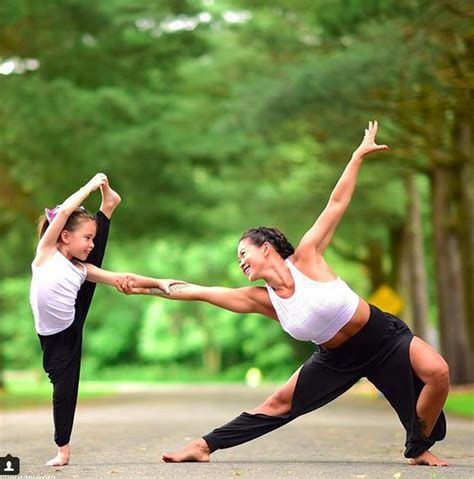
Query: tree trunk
{"points": [[374, 263], [211, 355], [416, 262], [397, 248], [466, 148], [449, 277], [400, 271], [404, 281]]}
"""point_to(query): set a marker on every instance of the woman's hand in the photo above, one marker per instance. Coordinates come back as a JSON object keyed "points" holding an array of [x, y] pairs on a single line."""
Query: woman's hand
{"points": [[127, 285], [368, 144], [169, 285]]}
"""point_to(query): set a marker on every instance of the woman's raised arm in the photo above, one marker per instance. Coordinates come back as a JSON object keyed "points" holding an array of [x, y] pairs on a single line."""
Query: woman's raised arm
{"points": [[319, 236]]}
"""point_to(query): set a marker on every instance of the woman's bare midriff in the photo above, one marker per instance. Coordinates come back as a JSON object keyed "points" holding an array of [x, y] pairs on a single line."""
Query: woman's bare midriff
{"points": [[356, 323]]}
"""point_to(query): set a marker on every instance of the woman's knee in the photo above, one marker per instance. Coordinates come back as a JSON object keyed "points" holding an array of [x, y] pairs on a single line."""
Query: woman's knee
{"points": [[438, 375], [278, 403], [429, 365]]}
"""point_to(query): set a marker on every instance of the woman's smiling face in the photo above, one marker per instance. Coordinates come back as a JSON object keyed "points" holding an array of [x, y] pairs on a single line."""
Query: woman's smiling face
{"points": [[250, 258]]}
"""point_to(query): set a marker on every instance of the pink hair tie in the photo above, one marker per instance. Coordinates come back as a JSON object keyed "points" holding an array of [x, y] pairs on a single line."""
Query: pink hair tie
{"points": [[51, 213]]}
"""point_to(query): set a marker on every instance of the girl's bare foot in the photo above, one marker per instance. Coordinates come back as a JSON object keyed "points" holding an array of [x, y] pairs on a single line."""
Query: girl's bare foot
{"points": [[197, 451], [62, 458], [427, 459], [110, 200]]}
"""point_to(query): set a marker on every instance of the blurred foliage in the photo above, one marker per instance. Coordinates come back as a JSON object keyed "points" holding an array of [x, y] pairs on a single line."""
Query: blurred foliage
{"points": [[210, 118]]}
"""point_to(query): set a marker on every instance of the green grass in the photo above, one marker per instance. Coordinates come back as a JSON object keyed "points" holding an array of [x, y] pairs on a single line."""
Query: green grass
{"points": [[461, 403], [27, 395], [30, 393], [26, 391]]}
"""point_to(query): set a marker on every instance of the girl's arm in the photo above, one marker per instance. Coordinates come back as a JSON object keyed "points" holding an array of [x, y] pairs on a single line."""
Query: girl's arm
{"points": [[317, 239], [51, 235], [99, 275], [250, 299]]}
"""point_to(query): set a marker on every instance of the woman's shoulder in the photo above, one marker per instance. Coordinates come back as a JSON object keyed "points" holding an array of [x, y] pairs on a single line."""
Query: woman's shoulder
{"points": [[306, 260], [313, 265]]}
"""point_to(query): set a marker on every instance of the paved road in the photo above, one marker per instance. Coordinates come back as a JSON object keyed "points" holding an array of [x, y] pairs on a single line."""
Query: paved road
{"points": [[354, 437]]}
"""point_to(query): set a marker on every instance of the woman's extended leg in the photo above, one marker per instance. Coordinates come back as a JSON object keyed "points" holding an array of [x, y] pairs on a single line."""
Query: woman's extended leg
{"points": [[276, 404], [309, 388]]}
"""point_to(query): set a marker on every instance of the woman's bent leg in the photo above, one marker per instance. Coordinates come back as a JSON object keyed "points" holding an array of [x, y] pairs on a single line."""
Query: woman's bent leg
{"points": [[398, 380]]}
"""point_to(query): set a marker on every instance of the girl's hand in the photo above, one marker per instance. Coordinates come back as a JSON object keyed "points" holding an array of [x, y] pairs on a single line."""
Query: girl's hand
{"points": [[97, 182], [130, 289], [126, 285], [368, 144]]}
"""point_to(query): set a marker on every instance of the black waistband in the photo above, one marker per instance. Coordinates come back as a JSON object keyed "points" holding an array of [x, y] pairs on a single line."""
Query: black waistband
{"points": [[379, 333]]}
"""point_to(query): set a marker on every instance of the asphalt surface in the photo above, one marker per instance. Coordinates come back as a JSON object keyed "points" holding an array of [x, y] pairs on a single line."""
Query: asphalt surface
{"points": [[123, 436]]}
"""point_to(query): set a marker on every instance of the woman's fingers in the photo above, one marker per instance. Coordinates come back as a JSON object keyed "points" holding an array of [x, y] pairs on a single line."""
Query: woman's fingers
{"points": [[368, 144], [371, 130]]}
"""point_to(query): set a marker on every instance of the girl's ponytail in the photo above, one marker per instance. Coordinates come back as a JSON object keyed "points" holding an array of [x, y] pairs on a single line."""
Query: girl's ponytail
{"points": [[43, 224], [75, 219]]}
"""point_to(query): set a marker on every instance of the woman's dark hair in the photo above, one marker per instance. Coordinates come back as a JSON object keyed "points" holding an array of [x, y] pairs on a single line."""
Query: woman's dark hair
{"points": [[77, 217], [273, 236]]}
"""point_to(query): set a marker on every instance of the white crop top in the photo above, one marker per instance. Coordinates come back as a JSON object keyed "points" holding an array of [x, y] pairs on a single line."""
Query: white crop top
{"points": [[53, 293], [317, 310]]}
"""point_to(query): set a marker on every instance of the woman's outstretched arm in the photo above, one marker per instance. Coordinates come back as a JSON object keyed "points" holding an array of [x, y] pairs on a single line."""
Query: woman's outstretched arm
{"points": [[319, 236], [249, 299]]}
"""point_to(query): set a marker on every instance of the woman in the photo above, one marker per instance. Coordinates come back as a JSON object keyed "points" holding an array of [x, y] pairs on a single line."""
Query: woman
{"points": [[355, 339]]}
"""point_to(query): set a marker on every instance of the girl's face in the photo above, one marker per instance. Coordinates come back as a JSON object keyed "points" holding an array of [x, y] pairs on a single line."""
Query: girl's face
{"points": [[80, 242], [251, 258]]}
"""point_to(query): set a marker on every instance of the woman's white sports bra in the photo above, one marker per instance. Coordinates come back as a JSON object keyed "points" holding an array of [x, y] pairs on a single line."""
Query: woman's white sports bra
{"points": [[317, 310]]}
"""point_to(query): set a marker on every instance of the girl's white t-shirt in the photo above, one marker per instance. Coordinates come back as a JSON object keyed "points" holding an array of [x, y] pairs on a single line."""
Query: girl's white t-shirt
{"points": [[53, 293]]}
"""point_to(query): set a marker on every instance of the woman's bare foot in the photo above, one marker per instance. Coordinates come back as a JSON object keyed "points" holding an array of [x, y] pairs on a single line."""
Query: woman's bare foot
{"points": [[62, 458], [197, 451], [110, 200], [427, 459]]}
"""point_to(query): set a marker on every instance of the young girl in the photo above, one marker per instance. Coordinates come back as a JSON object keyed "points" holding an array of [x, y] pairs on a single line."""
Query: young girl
{"points": [[356, 339], [61, 292]]}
